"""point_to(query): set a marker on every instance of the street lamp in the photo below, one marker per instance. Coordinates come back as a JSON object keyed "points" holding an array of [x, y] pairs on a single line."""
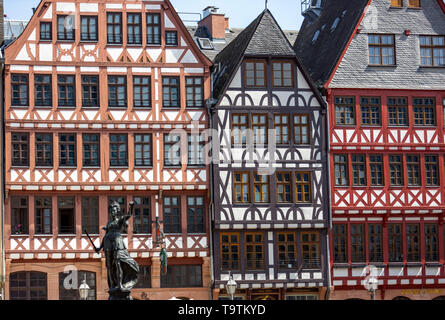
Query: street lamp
{"points": [[84, 289], [231, 286]]}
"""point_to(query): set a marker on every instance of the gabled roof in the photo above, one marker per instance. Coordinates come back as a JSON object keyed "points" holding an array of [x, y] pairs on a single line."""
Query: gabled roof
{"points": [[321, 56], [263, 37]]}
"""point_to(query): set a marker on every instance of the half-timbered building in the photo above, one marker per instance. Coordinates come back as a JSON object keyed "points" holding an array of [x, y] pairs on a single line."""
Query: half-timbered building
{"points": [[270, 170], [380, 65], [93, 89]]}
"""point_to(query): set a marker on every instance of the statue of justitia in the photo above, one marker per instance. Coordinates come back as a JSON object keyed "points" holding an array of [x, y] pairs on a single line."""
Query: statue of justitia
{"points": [[122, 269]]}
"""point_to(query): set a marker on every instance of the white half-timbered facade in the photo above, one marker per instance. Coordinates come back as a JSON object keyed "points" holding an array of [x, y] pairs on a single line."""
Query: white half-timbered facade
{"points": [[270, 178]]}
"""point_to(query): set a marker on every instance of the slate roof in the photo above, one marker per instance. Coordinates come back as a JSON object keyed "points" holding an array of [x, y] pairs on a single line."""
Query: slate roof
{"points": [[321, 56], [263, 37], [231, 34]]}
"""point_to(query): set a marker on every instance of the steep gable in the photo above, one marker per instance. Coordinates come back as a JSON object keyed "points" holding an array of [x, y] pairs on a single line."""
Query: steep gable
{"points": [[321, 53]]}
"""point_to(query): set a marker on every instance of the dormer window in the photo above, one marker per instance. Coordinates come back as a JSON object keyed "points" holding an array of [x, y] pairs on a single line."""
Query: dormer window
{"points": [[413, 3], [396, 3], [255, 73]]}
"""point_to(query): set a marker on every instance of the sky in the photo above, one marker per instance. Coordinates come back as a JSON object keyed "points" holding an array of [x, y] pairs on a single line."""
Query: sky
{"points": [[240, 12]]}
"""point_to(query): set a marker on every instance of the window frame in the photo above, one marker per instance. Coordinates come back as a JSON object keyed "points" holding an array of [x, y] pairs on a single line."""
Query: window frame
{"points": [[115, 38], [41, 205], [71, 229], [358, 242], [413, 250], [168, 34], [258, 264], [196, 101], [17, 88], [233, 264], [50, 32], [138, 89], [19, 215], [399, 170], [243, 184], [280, 126], [170, 227], [424, 114], [195, 216], [44, 161], [372, 116], [299, 136], [284, 249], [72, 160], [142, 205], [136, 39], [87, 83], [65, 36], [66, 102], [120, 161], [341, 166], [113, 88], [398, 105], [91, 36], [359, 167], [431, 48], [380, 46], [303, 183], [22, 147], [341, 112], [375, 167], [255, 72], [90, 219], [375, 242], [154, 25], [282, 71], [284, 184], [340, 243], [142, 162], [172, 103], [395, 242], [310, 243], [44, 88]]}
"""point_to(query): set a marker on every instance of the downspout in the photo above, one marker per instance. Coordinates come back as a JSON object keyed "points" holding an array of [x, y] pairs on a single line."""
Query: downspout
{"points": [[2, 197], [210, 102], [327, 143]]}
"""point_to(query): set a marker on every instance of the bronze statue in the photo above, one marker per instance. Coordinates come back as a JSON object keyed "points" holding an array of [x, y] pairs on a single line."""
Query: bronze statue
{"points": [[122, 269]]}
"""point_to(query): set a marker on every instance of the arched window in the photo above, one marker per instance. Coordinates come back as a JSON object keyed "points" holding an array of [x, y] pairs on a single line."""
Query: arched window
{"points": [[70, 282], [28, 286]]}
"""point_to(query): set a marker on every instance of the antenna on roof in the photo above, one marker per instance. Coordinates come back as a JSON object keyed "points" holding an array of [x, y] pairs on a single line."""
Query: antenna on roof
{"points": [[266, 3]]}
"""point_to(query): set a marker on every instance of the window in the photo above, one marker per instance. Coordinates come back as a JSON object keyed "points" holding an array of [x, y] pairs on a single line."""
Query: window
{"points": [[341, 170], [142, 150], [90, 91], [254, 251], [134, 28], [67, 92], [19, 215], [171, 38], [141, 92], [344, 110], [358, 243], [72, 293], [144, 278], [282, 74], [194, 89], [376, 170], [28, 286], [178, 276], [43, 92], [310, 248], [375, 243], [195, 215], [414, 3], [172, 215], [431, 170], [67, 215], [398, 111], [370, 111], [432, 51], [287, 250], [43, 215], [170, 92], [142, 215], [424, 111], [255, 73], [117, 91], [301, 129], [46, 33], [284, 187], [19, 88], [153, 28], [431, 242], [303, 187], [259, 128], [239, 129], [395, 243], [304, 297], [261, 188], [358, 170], [396, 170], [44, 149], [91, 150], [396, 3], [230, 251], [67, 150], [282, 129], [20, 149], [413, 169], [114, 28], [241, 187], [88, 28], [118, 150], [381, 50], [340, 243], [172, 150], [413, 242], [196, 150], [65, 28], [90, 215]]}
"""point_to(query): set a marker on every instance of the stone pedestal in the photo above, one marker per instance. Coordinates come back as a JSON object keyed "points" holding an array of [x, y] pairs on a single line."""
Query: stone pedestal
{"points": [[118, 294]]}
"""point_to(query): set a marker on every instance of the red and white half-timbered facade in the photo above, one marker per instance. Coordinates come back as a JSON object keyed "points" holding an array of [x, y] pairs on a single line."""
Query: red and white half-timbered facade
{"points": [[386, 110], [92, 90]]}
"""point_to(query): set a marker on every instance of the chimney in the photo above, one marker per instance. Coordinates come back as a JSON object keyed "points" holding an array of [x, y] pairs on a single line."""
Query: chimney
{"points": [[216, 23]]}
